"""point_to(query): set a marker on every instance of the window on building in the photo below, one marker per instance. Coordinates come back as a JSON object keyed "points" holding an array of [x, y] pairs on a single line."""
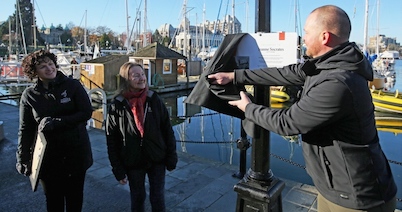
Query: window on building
{"points": [[167, 66]]}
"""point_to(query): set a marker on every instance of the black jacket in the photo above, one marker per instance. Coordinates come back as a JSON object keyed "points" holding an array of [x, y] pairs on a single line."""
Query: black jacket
{"points": [[68, 148], [127, 149], [335, 116]]}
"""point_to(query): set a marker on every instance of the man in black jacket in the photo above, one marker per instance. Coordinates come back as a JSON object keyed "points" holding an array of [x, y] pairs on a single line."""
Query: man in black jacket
{"points": [[334, 114]]}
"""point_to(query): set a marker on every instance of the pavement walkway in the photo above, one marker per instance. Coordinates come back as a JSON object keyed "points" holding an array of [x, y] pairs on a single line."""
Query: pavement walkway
{"points": [[197, 184]]}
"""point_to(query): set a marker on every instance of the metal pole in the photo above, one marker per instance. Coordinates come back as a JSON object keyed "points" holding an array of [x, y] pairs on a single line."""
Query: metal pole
{"points": [[34, 24], [243, 144], [259, 189]]}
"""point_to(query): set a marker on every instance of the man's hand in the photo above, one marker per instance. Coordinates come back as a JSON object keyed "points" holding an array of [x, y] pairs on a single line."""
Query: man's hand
{"points": [[242, 103], [221, 78]]}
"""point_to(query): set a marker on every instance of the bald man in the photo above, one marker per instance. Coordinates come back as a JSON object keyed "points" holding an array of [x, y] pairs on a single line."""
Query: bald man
{"points": [[334, 115]]}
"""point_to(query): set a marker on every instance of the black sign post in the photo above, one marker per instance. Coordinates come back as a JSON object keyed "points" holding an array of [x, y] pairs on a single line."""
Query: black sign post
{"points": [[259, 190]]}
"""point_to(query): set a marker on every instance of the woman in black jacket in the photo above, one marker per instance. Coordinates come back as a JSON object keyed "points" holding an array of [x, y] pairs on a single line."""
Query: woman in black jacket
{"points": [[140, 138], [59, 107]]}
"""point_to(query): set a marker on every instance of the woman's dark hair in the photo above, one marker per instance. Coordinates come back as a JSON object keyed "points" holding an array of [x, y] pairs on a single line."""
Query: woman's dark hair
{"points": [[33, 59]]}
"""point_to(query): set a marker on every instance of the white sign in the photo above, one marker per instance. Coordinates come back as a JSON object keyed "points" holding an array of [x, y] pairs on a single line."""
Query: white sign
{"points": [[90, 68], [269, 49], [38, 154]]}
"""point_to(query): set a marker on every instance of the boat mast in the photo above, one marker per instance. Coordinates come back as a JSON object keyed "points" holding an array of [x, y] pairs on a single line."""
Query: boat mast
{"points": [[34, 24], [127, 29], [185, 28], [22, 29], [197, 46], [365, 27], [9, 38], [145, 24], [377, 48], [233, 17], [203, 32], [85, 34]]}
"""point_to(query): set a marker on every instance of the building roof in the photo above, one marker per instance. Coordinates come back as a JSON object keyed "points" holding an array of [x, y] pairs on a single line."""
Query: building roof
{"points": [[106, 59], [157, 51]]}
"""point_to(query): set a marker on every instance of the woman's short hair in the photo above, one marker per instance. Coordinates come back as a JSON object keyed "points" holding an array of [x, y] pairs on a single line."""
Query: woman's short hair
{"points": [[35, 58]]}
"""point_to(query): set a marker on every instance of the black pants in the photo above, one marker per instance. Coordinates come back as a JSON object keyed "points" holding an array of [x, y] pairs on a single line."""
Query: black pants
{"points": [[64, 189], [156, 178]]}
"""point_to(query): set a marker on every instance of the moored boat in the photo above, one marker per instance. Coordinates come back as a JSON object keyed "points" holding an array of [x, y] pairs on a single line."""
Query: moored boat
{"points": [[389, 122], [387, 101], [279, 95]]}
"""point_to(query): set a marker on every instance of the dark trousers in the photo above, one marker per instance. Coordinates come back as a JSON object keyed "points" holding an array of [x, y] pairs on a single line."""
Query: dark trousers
{"points": [[156, 178], [64, 189]]}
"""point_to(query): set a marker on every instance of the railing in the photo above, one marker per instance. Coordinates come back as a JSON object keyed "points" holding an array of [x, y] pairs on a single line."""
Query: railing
{"points": [[12, 71], [92, 121]]}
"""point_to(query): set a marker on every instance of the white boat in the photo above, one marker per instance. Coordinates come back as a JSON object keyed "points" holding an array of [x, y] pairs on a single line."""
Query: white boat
{"points": [[389, 56], [384, 64], [381, 69]]}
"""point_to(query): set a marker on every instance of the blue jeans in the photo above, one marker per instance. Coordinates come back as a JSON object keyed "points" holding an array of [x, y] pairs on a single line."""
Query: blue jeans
{"points": [[156, 178]]}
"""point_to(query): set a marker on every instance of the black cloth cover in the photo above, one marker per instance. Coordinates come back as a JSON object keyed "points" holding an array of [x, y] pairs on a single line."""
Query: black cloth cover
{"points": [[216, 97]]}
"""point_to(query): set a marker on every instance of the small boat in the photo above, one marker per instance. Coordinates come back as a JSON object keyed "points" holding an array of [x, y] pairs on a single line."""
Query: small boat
{"points": [[378, 82], [279, 95], [387, 101], [389, 122]]}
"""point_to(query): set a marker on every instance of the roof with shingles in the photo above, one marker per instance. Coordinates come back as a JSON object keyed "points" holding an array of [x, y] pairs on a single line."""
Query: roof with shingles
{"points": [[157, 51], [106, 59]]}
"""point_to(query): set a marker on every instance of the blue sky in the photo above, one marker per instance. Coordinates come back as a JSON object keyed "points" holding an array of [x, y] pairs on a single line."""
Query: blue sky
{"points": [[112, 13]]}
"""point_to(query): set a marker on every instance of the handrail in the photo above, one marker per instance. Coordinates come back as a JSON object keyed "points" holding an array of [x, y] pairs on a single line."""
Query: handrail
{"points": [[104, 105], [90, 82]]}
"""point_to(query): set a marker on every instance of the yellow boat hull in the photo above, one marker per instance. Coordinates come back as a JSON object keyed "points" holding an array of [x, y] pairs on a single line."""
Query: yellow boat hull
{"points": [[387, 101], [389, 122], [279, 96]]}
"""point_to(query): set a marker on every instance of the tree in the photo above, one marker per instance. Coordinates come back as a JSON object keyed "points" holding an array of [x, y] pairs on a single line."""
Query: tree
{"points": [[66, 38], [24, 17], [156, 37], [105, 41], [100, 30], [77, 33]]}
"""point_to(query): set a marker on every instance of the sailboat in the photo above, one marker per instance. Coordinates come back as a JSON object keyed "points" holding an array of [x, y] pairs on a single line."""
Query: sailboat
{"points": [[379, 80]]}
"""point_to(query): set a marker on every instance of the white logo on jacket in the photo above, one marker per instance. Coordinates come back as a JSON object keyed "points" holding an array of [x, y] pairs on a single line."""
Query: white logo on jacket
{"points": [[64, 99]]}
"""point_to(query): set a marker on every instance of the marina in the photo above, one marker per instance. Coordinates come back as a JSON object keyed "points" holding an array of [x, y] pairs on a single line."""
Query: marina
{"points": [[206, 134], [214, 153]]}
